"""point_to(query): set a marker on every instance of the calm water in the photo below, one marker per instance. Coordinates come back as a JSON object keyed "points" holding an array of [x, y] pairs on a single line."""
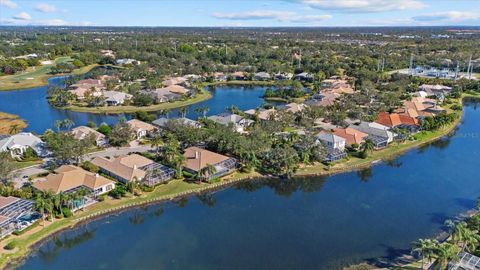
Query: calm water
{"points": [[32, 105], [312, 223]]}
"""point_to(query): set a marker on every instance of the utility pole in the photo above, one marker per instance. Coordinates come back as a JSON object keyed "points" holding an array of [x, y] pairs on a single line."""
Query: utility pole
{"points": [[470, 68], [83, 40], [456, 71], [383, 64], [411, 65], [300, 59], [226, 52]]}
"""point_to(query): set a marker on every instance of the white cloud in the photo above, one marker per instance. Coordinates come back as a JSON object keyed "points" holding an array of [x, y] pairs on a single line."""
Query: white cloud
{"points": [[359, 6], [448, 16], [45, 8], [8, 3], [49, 22], [281, 16], [23, 16]]}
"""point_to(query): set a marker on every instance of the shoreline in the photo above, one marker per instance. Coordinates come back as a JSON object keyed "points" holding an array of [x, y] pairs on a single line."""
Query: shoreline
{"points": [[205, 95], [27, 243], [8, 121]]}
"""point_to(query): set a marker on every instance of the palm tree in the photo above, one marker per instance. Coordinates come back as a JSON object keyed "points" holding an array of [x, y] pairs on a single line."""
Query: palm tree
{"points": [[183, 112], [206, 171], [425, 248], [368, 145], [446, 252], [40, 205], [156, 142], [14, 129], [58, 124], [68, 123]]}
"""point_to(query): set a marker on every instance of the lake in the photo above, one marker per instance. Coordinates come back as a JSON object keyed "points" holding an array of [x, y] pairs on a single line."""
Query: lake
{"points": [[32, 105], [305, 223]]}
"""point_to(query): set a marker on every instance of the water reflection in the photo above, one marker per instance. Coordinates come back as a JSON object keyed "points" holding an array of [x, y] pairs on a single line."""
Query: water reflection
{"points": [[65, 242]]}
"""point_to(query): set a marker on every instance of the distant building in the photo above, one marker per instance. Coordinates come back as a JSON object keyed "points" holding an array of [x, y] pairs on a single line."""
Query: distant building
{"points": [[262, 76], [282, 76], [83, 132], [239, 123], [434, 90], [238, 76], [174, 81], [127, 61], [115, 98], [380, 135], [163, 122], [197, 159], [141, 128], [219, 77], [303, 77], [295, 107], [262, 114]]}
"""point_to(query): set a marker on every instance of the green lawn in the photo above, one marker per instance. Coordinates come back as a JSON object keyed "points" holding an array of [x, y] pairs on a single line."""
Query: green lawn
{"points": [[36, 76]]}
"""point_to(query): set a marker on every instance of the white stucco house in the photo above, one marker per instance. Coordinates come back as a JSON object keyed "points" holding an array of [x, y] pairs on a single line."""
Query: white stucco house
{"points": [[17, 144]]}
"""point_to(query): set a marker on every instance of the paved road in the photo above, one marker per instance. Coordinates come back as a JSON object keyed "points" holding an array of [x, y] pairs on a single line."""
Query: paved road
{"points": [[21, 176]]}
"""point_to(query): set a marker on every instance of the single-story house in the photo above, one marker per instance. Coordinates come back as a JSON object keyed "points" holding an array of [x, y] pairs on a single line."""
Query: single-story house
{"points": [[115, 98], [197, 159], [435, 90], [420, 107], [282, 76], [219, 76], [303, 77], [162, 122], [238, 76], [69, 179], [174, 81], [127, 61], [81, 91], [134, 168], [239, 123], [352, 136], [262, 114], [380, 135], [395, 120], [295, 107], [15, 214], [141, 128], [161, 95], [83, 132], [323, 100], [17, 144], [177, 89], [262, 76], [334, 144]]}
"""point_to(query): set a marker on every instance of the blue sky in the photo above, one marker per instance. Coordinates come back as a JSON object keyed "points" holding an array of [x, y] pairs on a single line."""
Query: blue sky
{"points": [[240, 12]]}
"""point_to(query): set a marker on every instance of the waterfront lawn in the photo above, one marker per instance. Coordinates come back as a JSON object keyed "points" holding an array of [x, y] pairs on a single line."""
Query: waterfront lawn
{"points": [[24, 164], [204, 95], [36, 76]]}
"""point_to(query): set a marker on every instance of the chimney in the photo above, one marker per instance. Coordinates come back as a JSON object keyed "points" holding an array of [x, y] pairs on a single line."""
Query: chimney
{"points": [[196, 154], [97, 175], [135, 167]]}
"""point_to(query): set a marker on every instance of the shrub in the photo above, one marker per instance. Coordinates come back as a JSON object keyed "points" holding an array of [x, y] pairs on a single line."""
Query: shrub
{"points": [[104, 129], [11, 245], [89, 166], [101, 198], [67, 212]]}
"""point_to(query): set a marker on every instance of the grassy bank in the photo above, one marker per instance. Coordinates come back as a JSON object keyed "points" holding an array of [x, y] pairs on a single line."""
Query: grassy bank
{"points": [[36, 76], [7, 121], [130, 109], [177, 188]]}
